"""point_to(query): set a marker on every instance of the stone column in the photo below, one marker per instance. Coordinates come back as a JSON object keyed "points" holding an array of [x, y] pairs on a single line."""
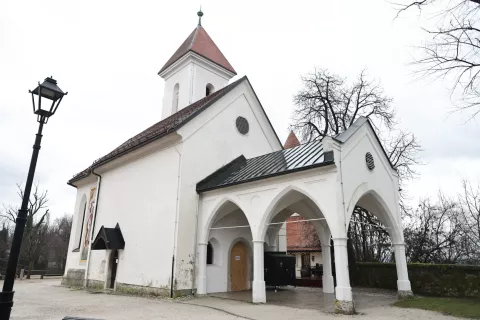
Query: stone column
{"points": [[327, 278], [258, 284], [202, 269], [403, 283], [343, 292]]}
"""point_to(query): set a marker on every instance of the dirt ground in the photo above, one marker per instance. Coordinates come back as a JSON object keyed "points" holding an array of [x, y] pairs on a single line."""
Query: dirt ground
{"points": [[46, 299]]}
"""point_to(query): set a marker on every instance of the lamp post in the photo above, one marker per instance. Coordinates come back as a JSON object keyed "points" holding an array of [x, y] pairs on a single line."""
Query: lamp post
{"points": [[48, 90]]}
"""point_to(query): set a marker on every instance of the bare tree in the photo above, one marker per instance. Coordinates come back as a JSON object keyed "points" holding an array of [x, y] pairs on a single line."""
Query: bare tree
{"points": [[329, 105], [453, 48], [435, 233], [4, 235], [37, 224], [470, 215], [58, 238], [369, 239], [309, 237]]}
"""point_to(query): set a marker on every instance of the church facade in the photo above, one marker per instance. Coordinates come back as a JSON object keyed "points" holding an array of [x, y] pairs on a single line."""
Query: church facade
{"points": [[190, 205]]}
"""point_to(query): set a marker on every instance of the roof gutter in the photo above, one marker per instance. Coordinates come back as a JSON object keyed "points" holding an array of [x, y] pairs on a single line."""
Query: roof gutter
{"points": [[71, 184]]}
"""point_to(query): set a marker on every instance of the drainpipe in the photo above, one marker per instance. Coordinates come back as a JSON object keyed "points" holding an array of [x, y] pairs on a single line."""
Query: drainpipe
{"points": [[172, 277], [97, 197], [195, 245]]}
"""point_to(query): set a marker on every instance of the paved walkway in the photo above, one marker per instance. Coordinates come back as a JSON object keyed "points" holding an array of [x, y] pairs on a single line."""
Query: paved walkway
{"points": [[47, 300], [314, 298]]}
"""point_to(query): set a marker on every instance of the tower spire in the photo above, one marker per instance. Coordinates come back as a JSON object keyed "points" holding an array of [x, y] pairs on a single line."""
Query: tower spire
{"points": [[200, 15]]}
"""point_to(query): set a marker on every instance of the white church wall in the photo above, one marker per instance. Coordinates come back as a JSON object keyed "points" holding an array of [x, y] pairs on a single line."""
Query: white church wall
{"points": [[357, 178], [73, 258], [182, 77], [141, 198], [257, 198], [211, 140], [282, 238], [203, 75], [218, 273], [192, 73], [316, 257]]}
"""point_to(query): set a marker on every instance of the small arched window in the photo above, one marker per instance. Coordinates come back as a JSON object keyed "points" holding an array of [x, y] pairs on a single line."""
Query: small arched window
{"points": [[209, 253], [209, 89], [176, 90]]}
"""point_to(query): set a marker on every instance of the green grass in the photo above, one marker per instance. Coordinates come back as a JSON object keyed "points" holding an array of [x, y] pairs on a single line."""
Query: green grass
{"points": [[457, 307]]}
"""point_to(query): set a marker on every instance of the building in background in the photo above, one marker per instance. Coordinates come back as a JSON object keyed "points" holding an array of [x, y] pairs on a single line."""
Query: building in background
{"points": [[303, 242]]}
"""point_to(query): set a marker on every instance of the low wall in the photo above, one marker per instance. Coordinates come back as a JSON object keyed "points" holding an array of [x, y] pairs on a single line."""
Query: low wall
{"points": [[74, 278], [448, 280]]}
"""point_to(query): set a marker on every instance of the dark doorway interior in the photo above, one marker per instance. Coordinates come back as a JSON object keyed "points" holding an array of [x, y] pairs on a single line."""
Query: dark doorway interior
{"points": [[113, 265]]}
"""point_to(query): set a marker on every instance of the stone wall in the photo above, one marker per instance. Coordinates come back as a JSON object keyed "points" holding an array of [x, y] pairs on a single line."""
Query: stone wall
{"points": [[132, 289], [74, 278]]}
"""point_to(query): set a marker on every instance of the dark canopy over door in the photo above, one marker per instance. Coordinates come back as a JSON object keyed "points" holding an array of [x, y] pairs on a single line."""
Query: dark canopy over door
{"points": [[109, 239]]}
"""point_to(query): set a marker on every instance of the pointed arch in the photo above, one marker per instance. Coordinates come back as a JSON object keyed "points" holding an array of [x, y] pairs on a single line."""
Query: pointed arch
{"points": [[275, 206], [214, 214], [373, 202]]}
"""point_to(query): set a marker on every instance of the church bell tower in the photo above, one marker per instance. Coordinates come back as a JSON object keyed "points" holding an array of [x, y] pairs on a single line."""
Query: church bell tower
{"points": [[197, 69]]}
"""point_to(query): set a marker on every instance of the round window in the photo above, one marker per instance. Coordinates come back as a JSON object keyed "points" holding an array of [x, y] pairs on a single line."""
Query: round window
{"points": [[369, 161], [242, 125]]}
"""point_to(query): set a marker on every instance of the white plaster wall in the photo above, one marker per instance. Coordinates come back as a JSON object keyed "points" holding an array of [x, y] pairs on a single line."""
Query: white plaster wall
{"points": [[298, 265], [183, 77], [211, 140], [317, 258], [258, 198], [357, 178], [73, 258], [298, 261], [282, 238], [141, 197], [203, 75], [193, 74], [218, 273]]}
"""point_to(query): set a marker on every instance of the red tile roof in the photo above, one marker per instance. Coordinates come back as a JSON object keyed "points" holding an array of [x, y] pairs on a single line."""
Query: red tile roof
{"points": [[292, 141], [200, 42], [160, 129]]}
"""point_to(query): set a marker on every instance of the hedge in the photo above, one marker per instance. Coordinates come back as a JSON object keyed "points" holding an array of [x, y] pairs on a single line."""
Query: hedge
{"points": [[447, 280]]}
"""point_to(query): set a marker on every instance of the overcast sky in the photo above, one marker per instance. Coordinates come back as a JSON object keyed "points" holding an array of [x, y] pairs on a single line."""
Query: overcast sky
{"points": [[106, 54]]}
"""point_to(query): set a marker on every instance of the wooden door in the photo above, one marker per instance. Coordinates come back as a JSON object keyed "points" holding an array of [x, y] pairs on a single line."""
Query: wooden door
{"points": [[239, 267]]}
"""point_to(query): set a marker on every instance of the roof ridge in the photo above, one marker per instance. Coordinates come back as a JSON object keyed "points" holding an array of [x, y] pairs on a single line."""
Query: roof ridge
{"points": [[194, 37], [157, 131]]}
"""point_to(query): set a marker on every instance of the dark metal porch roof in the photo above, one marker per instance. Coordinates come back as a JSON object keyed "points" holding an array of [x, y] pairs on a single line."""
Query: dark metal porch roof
{"points": [[109, 238], [242, 170]]}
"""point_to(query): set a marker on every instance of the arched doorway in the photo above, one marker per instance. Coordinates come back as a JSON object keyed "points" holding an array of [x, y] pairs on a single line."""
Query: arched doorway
{"points": [[113, 269], [239, 267], [297, 211], [375, 235], [231, 266]]}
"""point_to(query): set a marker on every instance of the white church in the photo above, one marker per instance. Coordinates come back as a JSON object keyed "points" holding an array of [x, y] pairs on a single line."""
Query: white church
{"points": [[189, 205]]}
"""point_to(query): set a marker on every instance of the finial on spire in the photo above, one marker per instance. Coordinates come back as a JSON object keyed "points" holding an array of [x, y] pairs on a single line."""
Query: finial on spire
{"points": [[200, 15]]}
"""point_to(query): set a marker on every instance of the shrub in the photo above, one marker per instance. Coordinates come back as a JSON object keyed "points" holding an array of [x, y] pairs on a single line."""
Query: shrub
{"points": [[447, 280]]}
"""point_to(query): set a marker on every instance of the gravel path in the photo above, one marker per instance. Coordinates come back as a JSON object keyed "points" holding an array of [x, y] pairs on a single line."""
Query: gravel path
{"points": [[46, 299]]}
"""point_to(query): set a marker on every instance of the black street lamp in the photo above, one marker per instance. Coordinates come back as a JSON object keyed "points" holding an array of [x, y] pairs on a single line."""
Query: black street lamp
{"points": [[48, 90]]}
